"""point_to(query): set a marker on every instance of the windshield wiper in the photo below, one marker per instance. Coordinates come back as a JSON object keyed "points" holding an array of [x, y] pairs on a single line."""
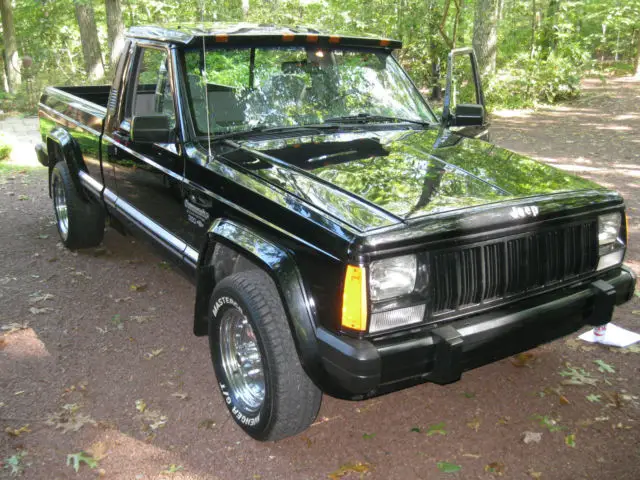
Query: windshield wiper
{"points": [[368, 117], [268, 130]]}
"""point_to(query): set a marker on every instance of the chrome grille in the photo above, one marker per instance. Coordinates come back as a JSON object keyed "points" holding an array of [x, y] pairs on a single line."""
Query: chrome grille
{"points": [[499, 269]]}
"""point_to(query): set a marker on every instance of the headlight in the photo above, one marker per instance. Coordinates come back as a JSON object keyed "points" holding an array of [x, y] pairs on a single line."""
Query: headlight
{"points": [[393, 277], [609, 228], [610, 243]]}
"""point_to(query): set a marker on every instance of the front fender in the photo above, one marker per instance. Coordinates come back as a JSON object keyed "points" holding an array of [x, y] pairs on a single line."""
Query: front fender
{"points": [[60, 141], [281, 266]]}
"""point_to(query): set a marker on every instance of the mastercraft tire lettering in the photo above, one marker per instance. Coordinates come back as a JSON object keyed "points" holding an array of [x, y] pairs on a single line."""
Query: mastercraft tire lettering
{"points": [[260, 377]]}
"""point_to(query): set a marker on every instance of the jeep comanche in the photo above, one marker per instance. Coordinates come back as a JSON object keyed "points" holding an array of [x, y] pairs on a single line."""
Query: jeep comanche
{"points": [[342, 237]]}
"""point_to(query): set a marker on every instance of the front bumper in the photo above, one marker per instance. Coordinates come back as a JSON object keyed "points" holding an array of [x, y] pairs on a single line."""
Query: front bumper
{"points": [[362, 368]]}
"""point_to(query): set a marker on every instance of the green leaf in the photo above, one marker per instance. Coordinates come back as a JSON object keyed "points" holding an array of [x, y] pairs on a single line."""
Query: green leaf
{"points": [[14, 463], [74, 460], [446, 467], [593, 398], [415, 429], [173, 468], [438, 429], [549, 423], [368, 436], [604, 367], [570, 440], [577, 376]]}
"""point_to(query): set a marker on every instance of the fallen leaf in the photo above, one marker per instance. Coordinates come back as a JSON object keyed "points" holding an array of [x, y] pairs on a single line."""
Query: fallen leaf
{"points": [[495, 468], [604, 367], [469, 394], [532, 437], [368, 436], [474, 424], [535, 475], [181, 396], [503, 420], [549, 423], [523, 359], [436, 429], [138, 288], [570, 440], [68, 420], [563, 400], [37, 311], [153, 419], [577, 376], [141, 406], [153, 353], [207, 424], [37, 297], [14, 463], [348, 468], [173, 468], [16, 432], [446, 467], [74, 460], [141, 318], [593, 398], [415, 429]]}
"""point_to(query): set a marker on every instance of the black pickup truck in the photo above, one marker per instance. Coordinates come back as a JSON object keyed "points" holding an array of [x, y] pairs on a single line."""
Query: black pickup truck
{"points": [[342, 237]]}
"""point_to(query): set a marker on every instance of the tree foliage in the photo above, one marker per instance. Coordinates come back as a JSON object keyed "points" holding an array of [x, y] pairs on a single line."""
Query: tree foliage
{"points": [[544, 47]]}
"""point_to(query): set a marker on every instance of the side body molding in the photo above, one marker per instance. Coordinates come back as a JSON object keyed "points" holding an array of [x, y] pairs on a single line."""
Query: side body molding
{"points": [[281, 267], [62, 139]]}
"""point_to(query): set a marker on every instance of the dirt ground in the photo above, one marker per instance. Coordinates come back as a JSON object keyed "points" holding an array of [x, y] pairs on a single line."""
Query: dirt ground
{"points": [[102, 359]]}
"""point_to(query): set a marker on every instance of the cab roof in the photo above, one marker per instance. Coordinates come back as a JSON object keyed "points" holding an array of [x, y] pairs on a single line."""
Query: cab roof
{"points": [[248, 34]]}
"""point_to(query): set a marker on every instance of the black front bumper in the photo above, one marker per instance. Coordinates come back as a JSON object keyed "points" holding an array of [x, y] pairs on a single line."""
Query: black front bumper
{"points": [[361, 368]]}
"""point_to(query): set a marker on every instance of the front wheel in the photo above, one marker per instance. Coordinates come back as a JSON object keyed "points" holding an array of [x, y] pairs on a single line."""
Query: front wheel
{"points": [[262, 382]]}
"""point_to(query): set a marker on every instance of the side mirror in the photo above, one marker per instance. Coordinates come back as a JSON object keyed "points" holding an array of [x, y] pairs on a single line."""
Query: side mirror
{"points": [[150, 129], [467, 115], [463, 114]]}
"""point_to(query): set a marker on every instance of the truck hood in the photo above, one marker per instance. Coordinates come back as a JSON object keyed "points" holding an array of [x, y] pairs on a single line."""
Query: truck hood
{"points": [[372, 179]]}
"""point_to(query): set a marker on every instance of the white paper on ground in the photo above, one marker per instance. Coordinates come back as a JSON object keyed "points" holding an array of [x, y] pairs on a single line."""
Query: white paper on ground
{"points": [[614, 336]]}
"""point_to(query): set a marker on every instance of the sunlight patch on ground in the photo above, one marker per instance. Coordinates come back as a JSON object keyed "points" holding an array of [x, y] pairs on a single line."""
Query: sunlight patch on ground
{"points": [[618, 128], [505, 113], [24, 344], [117, 452]]}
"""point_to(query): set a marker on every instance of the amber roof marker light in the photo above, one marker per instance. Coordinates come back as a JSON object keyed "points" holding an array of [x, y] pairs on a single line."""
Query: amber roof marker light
{"points": [[354, 299]]}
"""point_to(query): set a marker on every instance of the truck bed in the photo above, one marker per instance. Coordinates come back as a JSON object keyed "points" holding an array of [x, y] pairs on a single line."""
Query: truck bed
{"points": [[98, 94]]}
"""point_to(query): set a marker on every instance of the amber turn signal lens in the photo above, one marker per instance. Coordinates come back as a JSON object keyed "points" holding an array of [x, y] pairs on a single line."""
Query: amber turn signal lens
{"points": [[354, 299]]}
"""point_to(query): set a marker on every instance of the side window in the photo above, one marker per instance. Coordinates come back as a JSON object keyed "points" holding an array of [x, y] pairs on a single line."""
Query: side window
{"points": [[152, 93]]}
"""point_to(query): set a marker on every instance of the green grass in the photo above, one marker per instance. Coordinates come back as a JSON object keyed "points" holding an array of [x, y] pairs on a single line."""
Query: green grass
{"points": [[8, 168]]}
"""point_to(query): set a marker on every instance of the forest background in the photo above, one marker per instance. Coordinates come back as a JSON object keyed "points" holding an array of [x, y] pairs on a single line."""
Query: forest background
{"points": [[529, 51]]}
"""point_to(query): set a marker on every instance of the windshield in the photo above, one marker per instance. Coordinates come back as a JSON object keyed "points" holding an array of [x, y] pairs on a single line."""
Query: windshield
{"points": [[280, 87]]}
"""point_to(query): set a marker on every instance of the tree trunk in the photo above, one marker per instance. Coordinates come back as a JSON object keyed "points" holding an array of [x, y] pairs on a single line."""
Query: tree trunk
{"points": [[638, 58], [11, 57], [485, 34], [115, 29], [89, 37]]}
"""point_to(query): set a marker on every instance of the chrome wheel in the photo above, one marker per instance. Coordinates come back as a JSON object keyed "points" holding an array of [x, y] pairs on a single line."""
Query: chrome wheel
{"points": [[60, 205], [241, 361]]}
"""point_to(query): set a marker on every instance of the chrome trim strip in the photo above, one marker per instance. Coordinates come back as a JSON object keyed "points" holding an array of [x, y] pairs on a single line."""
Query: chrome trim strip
{"points": [[71, 120], [90, 182], [110, 198], [148, 224], [191, 254], [171, 173]]}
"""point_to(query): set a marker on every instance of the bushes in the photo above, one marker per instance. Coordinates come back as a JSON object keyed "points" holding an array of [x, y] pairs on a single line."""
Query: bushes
{"points": [[525, 81], [5, 151]]}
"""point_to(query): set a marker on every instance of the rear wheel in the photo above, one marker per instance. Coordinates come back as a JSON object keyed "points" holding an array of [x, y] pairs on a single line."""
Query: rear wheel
{"points": [[80, 223], [262, 382]]}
